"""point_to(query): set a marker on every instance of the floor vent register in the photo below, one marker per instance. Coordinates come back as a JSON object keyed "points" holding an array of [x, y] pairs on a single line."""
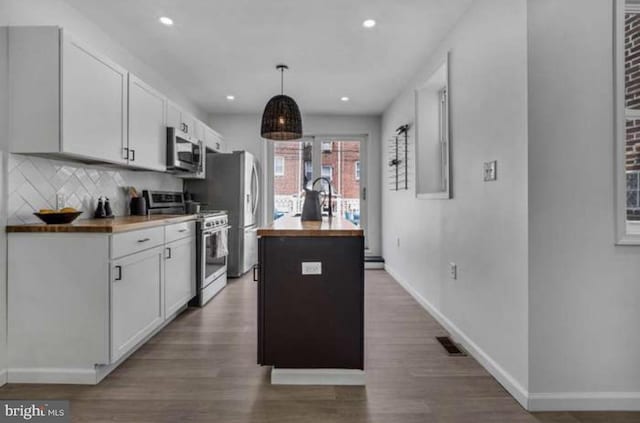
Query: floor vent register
{"points": [[451, 347]]}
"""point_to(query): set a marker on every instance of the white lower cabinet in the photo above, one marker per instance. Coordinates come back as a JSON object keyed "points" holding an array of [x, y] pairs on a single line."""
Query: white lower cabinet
{"points": [[180, 281], [93, 299], [136, 299]]}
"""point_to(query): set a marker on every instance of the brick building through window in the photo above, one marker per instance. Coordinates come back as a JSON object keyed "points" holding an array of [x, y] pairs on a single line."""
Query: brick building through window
{"points": [[632, 109], [293, 171]]}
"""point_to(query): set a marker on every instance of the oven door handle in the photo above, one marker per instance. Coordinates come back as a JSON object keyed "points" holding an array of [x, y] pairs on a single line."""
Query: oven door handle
{"points": [[211, 231]]}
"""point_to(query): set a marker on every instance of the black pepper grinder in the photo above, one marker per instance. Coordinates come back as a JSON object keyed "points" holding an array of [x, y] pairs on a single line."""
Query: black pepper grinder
{"points": [[107, 208], [100, 210]]}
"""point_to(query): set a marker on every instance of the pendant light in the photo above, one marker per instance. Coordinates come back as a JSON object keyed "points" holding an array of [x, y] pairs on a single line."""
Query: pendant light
{"points": [[281, 120]]}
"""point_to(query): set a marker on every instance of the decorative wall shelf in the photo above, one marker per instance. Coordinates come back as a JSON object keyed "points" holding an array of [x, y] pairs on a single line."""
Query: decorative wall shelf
{"points": [[398, 153]]}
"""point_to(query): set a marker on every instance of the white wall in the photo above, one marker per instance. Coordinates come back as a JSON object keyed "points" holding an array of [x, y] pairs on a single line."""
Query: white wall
{"points": [[4, 110], [57, 12], [584, 291], [484, 227], [242, 132]]}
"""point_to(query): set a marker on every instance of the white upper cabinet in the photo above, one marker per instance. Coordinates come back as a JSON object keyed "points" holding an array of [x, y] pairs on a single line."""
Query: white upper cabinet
{"points": [[94, 104], [77, 97], [174, 118], [68, 100], [188, 124], [200, 131], [147, 146], [182, 121], [213, 140]]}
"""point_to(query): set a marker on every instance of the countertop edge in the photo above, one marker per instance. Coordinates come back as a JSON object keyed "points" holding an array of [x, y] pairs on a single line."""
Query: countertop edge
{"points": [[40, 228]]}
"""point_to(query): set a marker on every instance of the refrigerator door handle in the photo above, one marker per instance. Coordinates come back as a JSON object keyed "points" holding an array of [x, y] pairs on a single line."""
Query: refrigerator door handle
{"points": [[256, 196]]}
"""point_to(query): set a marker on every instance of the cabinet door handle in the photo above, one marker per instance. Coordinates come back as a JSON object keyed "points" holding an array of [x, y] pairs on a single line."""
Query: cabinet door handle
{"points": [[182, 230], [168, 253], [119, 277], [133, 153], [126, 153], [256, 275], [144, 240]]}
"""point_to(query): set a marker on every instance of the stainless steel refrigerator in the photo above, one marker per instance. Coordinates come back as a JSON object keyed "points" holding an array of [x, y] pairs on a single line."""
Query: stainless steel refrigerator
{"points": [[233, 183]]}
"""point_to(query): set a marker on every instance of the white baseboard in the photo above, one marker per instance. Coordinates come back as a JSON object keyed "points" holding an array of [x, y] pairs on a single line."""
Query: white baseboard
{"points": [[79, 376], [317, 377], [503, 377], [373, 265], [563, 401], [590, 401], [51, 375], [3, 377]]}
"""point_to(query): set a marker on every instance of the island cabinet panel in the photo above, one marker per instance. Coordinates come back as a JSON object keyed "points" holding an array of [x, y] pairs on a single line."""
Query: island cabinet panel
{"points": [[311, 321]]}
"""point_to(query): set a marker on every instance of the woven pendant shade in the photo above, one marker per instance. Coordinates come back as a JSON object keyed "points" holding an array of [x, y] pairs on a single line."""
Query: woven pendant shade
{"points": [[281, 120]]}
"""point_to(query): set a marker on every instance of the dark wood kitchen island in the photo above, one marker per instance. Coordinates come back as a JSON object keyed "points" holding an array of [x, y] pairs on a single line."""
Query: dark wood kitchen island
{"points": [[311, 301]]}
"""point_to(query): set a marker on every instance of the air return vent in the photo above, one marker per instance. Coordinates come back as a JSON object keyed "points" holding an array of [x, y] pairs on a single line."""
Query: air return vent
{"points": [[452, 348]]}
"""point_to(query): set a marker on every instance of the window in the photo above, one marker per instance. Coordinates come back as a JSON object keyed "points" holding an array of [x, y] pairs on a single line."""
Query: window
{"points": [[433, 167], [327, 146], [278, 166], [358, 170], [627, 107], [327, 172]]}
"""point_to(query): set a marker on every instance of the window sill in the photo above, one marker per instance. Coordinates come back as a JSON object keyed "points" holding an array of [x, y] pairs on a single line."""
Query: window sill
{"points": [[434, 196], [631, 235]]}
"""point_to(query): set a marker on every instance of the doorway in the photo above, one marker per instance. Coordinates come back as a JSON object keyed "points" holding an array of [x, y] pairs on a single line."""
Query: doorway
{"points": [[296, 164]]}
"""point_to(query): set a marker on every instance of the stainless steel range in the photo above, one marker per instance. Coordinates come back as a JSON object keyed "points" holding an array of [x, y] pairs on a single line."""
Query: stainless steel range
{"points": [[212, 250], [212, 233]]}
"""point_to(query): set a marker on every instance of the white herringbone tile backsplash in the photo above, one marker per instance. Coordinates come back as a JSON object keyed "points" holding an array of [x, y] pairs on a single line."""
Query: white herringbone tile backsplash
{"points": [[34, 182]]}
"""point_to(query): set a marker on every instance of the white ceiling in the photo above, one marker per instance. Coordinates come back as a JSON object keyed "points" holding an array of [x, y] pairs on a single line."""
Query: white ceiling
{"points": [[221, 47]]}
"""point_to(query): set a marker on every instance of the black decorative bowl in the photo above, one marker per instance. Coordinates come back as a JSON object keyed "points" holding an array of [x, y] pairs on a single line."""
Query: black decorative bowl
{"points": [[58, 218]]}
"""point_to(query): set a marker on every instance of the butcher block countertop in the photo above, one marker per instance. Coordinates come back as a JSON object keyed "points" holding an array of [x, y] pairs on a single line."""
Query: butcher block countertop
{"points": [[113, 225], [293, 227]]}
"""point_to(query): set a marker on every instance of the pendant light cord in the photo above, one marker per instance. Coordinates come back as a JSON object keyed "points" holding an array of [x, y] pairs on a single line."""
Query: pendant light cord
{"points": [[282, 81]]}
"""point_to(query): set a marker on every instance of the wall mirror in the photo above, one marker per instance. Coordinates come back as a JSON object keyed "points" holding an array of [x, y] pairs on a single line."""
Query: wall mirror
{"points": [[433, 155]]}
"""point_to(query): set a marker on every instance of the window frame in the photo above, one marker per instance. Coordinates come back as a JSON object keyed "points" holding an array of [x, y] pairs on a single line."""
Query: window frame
{"points": [[627, 232], [275, 165], [357, 170]]}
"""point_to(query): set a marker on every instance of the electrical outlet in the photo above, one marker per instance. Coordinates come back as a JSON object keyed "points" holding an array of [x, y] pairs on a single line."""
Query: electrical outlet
{"points": [[491, 171], [59, 201], [453, 271], [312, 268]]}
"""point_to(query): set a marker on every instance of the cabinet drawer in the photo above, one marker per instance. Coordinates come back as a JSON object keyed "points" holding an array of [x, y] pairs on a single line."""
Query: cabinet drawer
{"points": [[179, 231], [134, 241]]}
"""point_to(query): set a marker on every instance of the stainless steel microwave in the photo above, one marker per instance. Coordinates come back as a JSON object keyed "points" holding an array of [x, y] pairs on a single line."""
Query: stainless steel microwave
{"points": [[184, 154]]}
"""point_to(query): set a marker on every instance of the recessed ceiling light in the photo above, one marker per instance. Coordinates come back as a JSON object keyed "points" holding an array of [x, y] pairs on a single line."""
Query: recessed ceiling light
{"points": [[231, 97], [369, 23], [344, 99], [166, 21]]}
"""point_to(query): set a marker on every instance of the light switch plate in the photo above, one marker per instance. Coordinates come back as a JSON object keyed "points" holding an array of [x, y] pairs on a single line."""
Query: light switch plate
{"points": [[491, 171], [312, 268]]}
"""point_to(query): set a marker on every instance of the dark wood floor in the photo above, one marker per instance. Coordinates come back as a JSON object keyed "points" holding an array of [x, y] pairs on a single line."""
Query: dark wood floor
{"points": [[201, 368]]}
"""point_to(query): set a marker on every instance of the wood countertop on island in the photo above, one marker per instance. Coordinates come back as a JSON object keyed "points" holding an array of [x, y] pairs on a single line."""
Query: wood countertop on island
{"points": [[112, 225], [294, 227]]}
